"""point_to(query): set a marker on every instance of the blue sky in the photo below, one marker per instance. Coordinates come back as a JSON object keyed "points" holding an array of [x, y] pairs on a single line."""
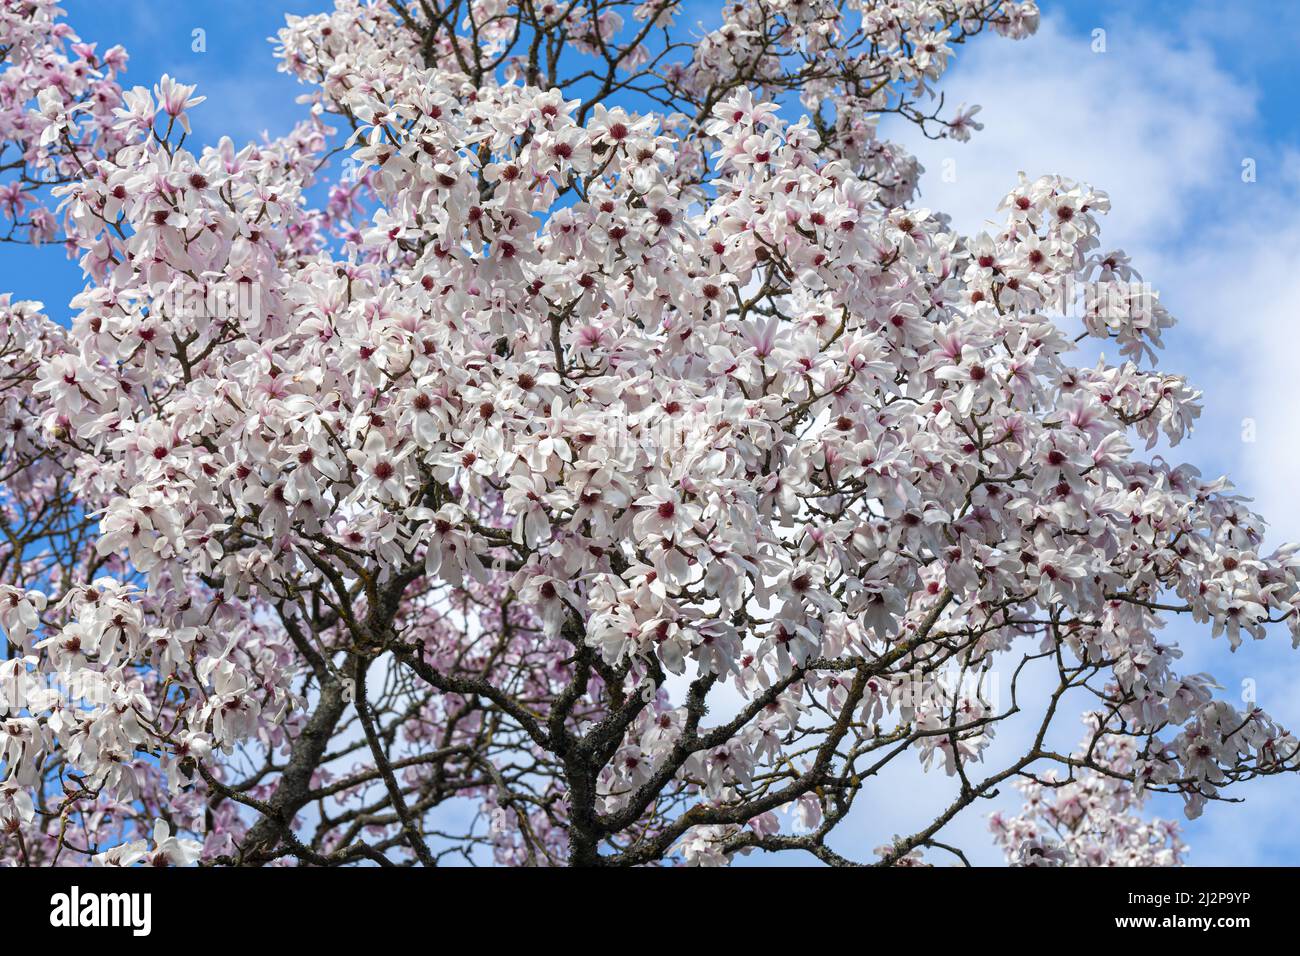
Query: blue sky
{"points": [[1184, 92]]}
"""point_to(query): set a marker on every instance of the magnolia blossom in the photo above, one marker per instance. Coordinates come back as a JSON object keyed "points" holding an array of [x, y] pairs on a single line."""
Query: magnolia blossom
{"points": [[1091, 819], [609, 440]]}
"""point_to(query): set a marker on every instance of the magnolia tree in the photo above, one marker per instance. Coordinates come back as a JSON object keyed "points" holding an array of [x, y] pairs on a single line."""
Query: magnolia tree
{"points": [[608, 463]]}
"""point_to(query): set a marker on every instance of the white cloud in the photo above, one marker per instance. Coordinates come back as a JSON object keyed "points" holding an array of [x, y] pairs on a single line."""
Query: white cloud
{"points": [[1148, 121], [1236, 287]]}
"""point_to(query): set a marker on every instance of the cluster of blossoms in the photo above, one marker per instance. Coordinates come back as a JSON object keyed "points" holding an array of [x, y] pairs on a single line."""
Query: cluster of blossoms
{"points": [[1091, 819], [57, 101], [635, 475]]}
